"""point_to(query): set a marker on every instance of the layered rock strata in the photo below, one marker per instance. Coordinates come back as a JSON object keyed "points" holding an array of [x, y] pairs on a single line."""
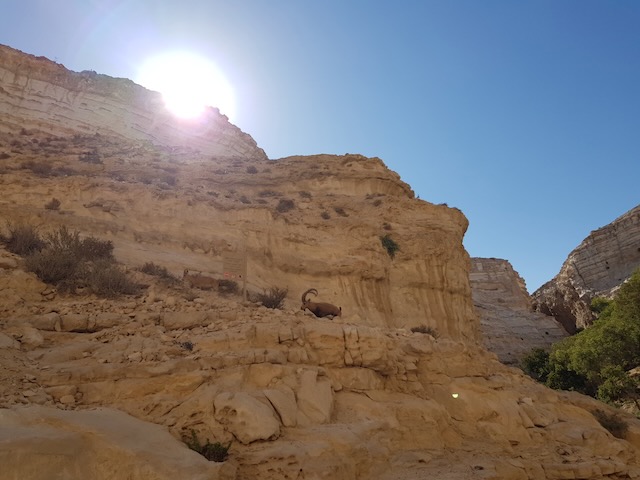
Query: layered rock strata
{"points": [[297, 397], [36, 93], [510, 328], [601, 263]]}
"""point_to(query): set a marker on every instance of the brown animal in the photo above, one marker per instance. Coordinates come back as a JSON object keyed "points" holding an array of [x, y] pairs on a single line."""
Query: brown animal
{"points": [[199, 281], [319, 309]]}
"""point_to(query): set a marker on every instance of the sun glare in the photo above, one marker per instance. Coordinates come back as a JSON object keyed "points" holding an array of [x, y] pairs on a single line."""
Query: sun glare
{"points": [[188, 84]]}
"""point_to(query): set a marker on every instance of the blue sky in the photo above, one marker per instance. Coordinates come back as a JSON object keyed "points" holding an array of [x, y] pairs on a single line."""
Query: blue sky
{"points": [[525, 115]]}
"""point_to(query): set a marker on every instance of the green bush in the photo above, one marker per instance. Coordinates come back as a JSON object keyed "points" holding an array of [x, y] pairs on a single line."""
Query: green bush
{"points": [[596, 360], [272, 298], [536, 364], [389, 245], [214, 452]]}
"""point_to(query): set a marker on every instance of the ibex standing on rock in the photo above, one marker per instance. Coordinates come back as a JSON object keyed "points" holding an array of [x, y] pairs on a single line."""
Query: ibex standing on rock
{"points": [[199, 281], [319, 309]]}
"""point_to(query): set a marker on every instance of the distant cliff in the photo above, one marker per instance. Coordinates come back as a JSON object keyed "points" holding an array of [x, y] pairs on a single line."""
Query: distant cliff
{"points": [[603, 261], [509, 326], [38, 93]]}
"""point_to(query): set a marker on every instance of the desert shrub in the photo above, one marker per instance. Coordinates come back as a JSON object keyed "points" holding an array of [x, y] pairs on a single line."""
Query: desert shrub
{"points": [[4, 156], [389, 245], [284, 205], [23, 239], [227, 286], [272, 298], [599, 304], [325, 215], [151, 268], [57, 267], [85, 249], [268, 193], [54, 204], [387, 226], [244, 199], [612, 422], [187, 345], [377, 202], [106, 279], [340, 211], [425, 329], [252, 169], [304, 194], [214, 452]]}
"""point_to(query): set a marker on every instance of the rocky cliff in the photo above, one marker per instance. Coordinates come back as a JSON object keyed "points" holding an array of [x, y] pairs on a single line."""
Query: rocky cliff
{"points": [[510, 328], [40, 94], [96, 388], [603, 261]]}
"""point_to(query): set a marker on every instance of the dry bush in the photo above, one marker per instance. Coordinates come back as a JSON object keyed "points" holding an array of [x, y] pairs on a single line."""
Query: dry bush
{"points": [[41, 169], [304, 194], [325, 215], [4, 155], [252, 169], [55, 267], [227, 286], [340, 211], [284, 205], [22, 239], [272, 298], [151, 268], [214, 452], [106, 279]]}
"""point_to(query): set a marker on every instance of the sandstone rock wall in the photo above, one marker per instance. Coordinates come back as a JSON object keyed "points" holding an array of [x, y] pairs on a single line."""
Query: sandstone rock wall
{"points": [[509, 326], [298, 397], [36, 93], [603, 261]]}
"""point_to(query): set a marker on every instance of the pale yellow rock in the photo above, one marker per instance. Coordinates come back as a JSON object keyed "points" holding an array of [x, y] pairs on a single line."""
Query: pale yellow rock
{"points": [[246, 417]]}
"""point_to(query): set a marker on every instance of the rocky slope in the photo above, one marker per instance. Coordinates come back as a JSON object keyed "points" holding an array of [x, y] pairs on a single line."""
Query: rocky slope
{"points": [[603, 261], [92, 388], [510, 328]]}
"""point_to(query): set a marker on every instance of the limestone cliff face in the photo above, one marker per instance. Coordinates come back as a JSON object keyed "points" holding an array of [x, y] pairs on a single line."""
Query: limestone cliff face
{"points": [[510, 328], [38, 93], [603, 261]]}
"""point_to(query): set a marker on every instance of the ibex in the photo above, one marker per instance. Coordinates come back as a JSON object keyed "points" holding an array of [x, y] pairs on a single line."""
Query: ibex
{"points": [[199, 281], [319, 309]]}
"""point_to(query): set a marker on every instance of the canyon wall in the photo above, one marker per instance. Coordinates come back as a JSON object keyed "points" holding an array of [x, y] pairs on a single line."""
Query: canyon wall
{"points": [[603, 261], [40, 94], [510, 328]]}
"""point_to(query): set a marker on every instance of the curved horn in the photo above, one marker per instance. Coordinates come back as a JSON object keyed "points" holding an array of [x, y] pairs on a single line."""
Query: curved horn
{"points": [[304, 295]]}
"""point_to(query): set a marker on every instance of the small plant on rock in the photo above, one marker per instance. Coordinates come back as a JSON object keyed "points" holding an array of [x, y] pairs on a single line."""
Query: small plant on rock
{"points": [[151, 268], [214, 452], [389, 245]]}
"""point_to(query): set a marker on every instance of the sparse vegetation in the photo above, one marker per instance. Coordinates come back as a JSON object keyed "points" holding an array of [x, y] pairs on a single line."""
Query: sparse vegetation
{"points": [[426, 330], [4, 156], [68, 261], [272, 298], [284, 205], [214, 452], [268, 193], [326, 215], [151, 268], [22, 239], [377, 202], [389, 245], [612, 422], [252, 169], [304, 194], [41, 169], [227, 286]]}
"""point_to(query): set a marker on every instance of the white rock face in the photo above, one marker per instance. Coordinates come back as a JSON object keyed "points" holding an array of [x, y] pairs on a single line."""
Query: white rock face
{"points": [[510, 328], [602, 262]]}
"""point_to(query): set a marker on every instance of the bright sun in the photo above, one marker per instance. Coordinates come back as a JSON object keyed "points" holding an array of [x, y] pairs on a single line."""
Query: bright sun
{"points": [[188, 84]]}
